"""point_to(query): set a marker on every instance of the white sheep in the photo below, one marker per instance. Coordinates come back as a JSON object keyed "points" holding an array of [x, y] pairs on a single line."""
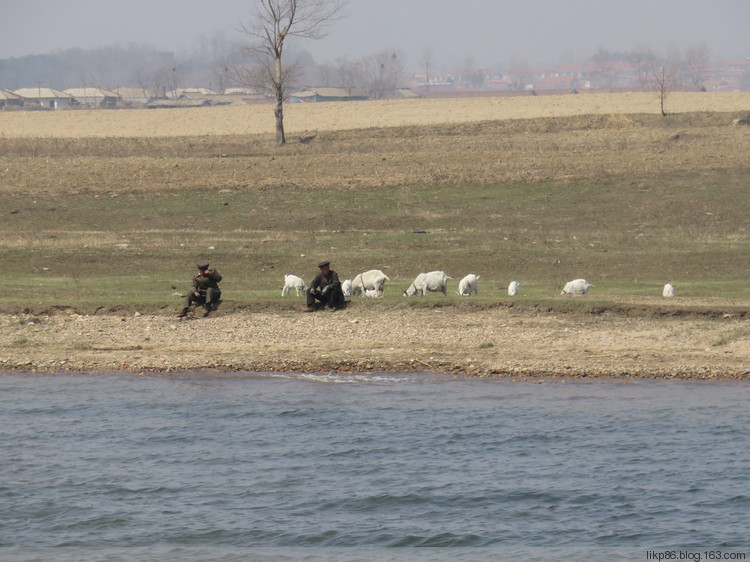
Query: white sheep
{"points": [[668, 290], [346, 287], [514, 289], [468, 284], [576, 287], [372, 280], [293, 282], [433, 281]]}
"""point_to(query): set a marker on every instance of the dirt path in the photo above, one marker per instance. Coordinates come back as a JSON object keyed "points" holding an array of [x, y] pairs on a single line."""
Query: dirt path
{"points": [[490, 342]]}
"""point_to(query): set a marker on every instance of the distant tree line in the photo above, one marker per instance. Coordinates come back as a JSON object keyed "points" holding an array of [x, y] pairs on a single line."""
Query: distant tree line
{"points": [[133, 65], [377, 75], [215, 63], [218, 63]]}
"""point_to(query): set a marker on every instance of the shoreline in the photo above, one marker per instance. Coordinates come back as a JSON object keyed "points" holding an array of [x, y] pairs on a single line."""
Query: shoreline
{"points": [[496, 342]]}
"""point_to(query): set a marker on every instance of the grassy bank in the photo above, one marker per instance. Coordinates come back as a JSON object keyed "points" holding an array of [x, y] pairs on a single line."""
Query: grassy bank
{"points": [[628, 202]]}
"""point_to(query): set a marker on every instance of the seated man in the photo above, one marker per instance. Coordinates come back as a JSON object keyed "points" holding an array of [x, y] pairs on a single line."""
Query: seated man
{"points": [[325, 288], [205, 290]]}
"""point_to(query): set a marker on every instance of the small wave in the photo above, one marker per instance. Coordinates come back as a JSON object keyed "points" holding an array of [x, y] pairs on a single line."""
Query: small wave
{"points": [[347, 378]]}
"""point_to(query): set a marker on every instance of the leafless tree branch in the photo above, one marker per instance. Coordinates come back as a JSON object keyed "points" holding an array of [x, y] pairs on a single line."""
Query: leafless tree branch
{"points": [[276, 20]]}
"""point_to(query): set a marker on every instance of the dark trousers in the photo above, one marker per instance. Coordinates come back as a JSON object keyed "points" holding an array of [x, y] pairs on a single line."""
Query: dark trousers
{"points": [[211, 297], [332, 298]]}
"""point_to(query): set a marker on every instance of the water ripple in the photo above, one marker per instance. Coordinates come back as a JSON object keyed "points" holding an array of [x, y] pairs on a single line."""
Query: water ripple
{"points": [[357, 460]]}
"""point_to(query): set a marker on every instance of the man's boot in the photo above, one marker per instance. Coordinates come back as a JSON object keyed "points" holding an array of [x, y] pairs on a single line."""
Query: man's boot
{"points": [[183, 313]]}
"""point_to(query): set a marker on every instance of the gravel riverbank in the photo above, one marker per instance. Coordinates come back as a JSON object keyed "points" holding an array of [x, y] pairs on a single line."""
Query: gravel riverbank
{"points": [[489, 342]]}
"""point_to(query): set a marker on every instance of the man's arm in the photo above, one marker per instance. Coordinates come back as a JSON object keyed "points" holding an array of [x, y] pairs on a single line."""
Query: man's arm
{"points": [[315, 283]]}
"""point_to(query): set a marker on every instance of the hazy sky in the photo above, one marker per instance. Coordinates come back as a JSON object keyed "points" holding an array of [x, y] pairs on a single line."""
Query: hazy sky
{"points": [[487, 32]]}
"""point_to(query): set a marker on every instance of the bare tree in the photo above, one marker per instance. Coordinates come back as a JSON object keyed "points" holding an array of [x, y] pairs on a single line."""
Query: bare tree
{"points": [[697, 63], [472, 76], [602, 68], [348, 73], [426, 63], [518, 74], [664, 80], [222, 57], [382, 73], [656, 74], [274, 22], [160, 81]]}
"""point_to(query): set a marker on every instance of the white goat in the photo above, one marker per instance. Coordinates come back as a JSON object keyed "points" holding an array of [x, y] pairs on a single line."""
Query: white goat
{"points": [[372, 293], [668, 290], [433, 281], [514, 289], [468, 284], [293, 282], [373, 280], [346, 288], [576, 287]]}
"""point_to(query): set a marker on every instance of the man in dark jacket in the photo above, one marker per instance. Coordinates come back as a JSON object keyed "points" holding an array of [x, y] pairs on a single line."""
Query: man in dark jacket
{"points": [[205, 290], [325, 288]]}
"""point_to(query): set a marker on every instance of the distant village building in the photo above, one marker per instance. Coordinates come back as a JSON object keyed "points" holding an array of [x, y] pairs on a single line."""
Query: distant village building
{"points": [[209, 97], [404, 93], [730, 75], [190, 93], [166, 103], [247, 95], [9, 99], [202, 97], [130, 96], [47, 98], [94, 97], [328, 94]]}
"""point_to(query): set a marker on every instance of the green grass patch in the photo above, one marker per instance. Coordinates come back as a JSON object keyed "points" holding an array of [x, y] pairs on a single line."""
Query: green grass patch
{"points": [[626, 234], [141, 248]]}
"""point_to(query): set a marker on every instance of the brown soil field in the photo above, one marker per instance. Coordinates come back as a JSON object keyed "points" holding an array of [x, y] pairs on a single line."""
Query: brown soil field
{"points": [[301, 119], [360, 145]]}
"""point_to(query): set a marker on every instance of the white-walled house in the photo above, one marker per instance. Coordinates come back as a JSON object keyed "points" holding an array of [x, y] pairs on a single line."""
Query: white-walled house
{"points": [[8, 98], [94, 97], [47, 98]]}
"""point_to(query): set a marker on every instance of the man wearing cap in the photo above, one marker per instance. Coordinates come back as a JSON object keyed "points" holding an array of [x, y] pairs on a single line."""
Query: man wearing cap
{"points": [[205, 290], [325, 288]]}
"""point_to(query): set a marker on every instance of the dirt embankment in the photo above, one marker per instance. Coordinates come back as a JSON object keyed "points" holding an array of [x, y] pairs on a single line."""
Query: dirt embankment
{"points": [[628, 341]]}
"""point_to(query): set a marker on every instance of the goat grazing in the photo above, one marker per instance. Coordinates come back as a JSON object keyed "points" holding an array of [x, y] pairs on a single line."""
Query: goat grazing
{"points": [[468, 284], [433, 281], [576, 287], [346, 288], [373, 280], [293, 282]]}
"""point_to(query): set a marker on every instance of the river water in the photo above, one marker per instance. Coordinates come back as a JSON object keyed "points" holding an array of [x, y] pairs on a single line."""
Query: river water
{"points": [[237, 466]]}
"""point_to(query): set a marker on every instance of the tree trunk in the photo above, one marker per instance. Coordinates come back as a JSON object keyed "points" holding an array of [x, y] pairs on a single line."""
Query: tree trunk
{"points": [[664, 85], [279, 109], [279, 113]]}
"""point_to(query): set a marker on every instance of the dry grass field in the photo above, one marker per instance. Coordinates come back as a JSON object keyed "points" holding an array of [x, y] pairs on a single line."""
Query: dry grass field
{"points": [[104, 212], [302, 119]]}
